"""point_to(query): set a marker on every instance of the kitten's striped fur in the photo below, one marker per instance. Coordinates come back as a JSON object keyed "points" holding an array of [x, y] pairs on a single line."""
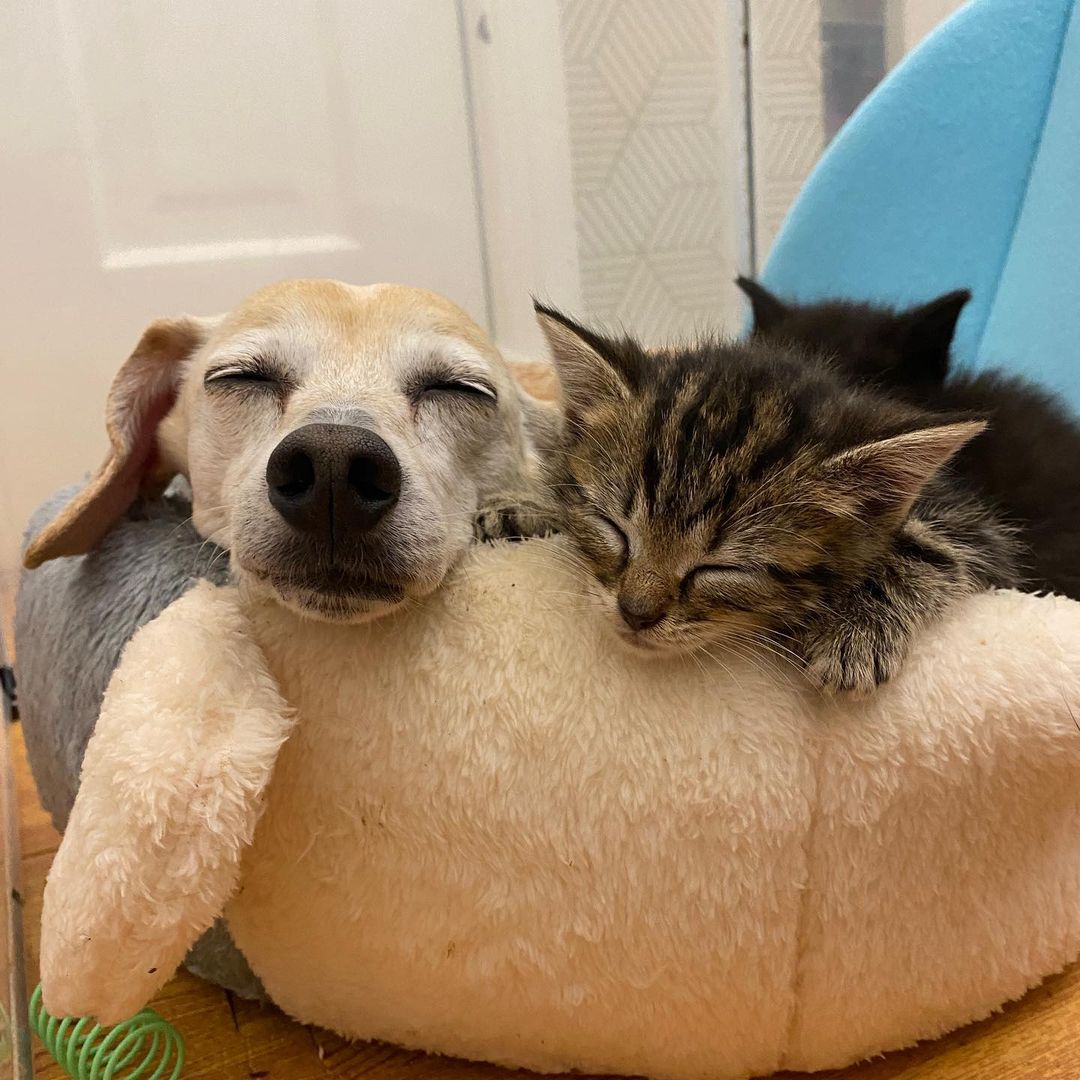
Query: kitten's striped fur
{"points": [[744, 492]]}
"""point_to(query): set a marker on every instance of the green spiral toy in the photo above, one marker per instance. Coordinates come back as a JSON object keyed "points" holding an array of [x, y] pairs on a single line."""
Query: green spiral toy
{"points": [[88, 1051]]}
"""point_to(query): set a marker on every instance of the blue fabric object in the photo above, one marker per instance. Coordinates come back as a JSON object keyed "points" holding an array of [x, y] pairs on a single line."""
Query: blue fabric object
{"points": [[961, 170], [1035, 321]]}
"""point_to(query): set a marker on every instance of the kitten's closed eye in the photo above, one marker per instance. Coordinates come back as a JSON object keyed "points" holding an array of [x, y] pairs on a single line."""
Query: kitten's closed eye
{"points": [[603, 540], [722, 584]]}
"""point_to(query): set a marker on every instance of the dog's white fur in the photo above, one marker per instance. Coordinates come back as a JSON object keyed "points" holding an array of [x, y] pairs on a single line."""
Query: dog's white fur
{"points": [[491, 834]]}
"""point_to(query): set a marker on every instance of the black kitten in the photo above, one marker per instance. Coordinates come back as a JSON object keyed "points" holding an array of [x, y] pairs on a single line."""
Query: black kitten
{"points": [[1027, 463], [895, 349], [747, 494]]}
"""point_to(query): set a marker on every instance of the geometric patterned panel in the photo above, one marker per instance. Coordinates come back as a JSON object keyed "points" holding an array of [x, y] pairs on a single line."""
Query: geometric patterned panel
{"points": [[656, 181], [787, 107]]}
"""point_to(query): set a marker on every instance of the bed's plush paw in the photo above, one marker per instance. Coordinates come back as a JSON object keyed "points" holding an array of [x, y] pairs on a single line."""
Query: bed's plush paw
{"points": [[851, 658], [512, 519], [81, 990], [174, 776]]}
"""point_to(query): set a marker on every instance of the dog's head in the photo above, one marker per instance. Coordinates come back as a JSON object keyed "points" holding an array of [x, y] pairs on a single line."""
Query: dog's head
{"points": [[338, 441]]}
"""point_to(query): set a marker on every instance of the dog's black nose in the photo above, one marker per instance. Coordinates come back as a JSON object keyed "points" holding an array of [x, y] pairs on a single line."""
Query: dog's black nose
{"points": [[333, 479], [639, 614]]}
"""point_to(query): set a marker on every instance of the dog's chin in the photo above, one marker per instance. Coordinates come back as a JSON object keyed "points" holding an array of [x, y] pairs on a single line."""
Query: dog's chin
{"points": [[334, 608], [336, 597]]}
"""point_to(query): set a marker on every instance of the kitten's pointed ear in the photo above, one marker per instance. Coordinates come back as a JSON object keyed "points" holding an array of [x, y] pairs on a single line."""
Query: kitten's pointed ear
{"points": [[928, 334], [768, 308], [588, 373], [883, 478]]}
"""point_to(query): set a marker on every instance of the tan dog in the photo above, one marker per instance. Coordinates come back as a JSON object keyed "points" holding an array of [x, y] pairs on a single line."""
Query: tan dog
{"points": [[344, 443]]}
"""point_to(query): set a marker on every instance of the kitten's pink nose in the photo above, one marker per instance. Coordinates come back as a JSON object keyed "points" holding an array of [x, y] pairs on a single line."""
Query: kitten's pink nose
{"points": [[639, 613]]}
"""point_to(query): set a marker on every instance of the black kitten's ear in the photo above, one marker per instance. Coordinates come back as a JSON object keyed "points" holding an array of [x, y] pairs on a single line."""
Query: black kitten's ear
{"points": [[928, 333], [591, 368], [883, 478], [768, 308]]}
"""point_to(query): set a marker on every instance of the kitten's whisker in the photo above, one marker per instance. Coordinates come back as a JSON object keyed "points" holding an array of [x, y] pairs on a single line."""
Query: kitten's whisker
{"points": [[731, 675], [786, 656], [758, 662], [216, 559]]}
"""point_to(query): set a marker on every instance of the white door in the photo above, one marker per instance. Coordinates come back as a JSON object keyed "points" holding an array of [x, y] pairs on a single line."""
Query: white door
{"points": [[159, 156]]}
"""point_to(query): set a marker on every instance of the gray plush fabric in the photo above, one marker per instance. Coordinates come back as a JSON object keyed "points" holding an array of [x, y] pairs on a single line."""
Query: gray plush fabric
{"points": [[72, 619]]}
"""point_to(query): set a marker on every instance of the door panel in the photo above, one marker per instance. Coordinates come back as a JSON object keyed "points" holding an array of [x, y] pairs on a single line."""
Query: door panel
{"points": [[161, 157]]}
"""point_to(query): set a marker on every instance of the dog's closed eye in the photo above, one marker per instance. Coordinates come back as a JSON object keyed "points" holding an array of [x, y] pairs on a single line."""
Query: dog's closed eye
{"points": [[434, 386], [251, 374]]}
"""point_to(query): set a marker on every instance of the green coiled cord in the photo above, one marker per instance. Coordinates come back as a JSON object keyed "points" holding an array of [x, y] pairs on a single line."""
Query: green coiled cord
{"points": [[88, 1051]]}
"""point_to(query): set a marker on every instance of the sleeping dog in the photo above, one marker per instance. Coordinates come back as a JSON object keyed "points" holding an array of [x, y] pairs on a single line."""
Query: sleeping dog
{"points": [[344, 443]]}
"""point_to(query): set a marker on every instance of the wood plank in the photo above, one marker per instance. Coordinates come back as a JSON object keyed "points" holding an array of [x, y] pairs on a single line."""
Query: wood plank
{"points": [[1037, 1038]]}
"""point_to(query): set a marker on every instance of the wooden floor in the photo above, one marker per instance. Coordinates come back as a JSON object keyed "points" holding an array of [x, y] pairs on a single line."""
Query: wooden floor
{"points": [[1037, 1038]]}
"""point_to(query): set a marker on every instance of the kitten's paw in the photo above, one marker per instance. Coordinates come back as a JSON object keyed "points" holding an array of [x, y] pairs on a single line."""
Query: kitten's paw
{"points": [[512, 519], [853, 660]]}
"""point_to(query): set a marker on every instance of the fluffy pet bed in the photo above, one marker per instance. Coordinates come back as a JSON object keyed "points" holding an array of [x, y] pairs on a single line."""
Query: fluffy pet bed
{"points": [[531, 848]]}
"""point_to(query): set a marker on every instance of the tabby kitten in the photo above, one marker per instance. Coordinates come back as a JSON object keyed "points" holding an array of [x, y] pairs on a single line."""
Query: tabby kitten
{"points": [[1027, 464], [742, 492]]}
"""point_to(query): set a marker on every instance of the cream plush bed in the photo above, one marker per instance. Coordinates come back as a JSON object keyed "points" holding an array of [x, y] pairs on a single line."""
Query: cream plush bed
{"points": [[489, 832]]}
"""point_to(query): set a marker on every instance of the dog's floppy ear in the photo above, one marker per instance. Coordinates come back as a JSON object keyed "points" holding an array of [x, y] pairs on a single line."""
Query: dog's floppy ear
{"points": [[143, 391]]}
